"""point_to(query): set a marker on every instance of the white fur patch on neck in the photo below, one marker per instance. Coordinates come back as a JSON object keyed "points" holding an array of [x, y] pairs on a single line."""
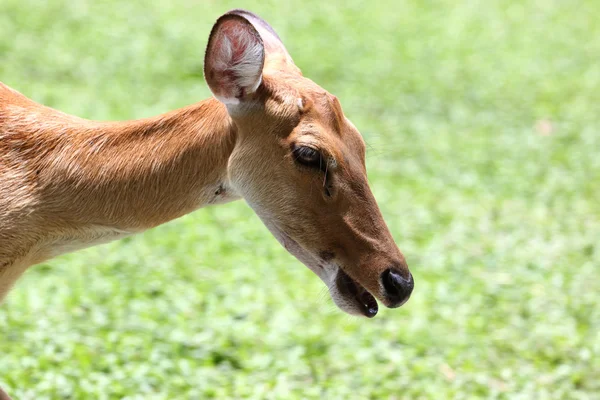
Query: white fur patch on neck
{"points": [[230, 101]]}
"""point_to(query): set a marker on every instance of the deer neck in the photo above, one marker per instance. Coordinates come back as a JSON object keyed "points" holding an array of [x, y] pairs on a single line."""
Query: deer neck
{"points": [[132, 175], [67, 183]]}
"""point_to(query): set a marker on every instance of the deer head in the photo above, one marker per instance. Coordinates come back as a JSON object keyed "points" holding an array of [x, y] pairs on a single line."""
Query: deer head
{"points": [[300, 164]]}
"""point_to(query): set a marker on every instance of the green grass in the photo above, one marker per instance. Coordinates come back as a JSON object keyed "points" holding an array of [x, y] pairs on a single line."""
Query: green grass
{"points": [[484, 153]]}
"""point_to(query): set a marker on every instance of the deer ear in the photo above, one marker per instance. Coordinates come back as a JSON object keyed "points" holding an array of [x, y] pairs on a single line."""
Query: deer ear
{"points": [[234, 59], [277, 57]]}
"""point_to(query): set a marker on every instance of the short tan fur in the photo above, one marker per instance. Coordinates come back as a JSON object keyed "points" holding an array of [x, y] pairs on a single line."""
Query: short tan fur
{"points": [[270, 136]]}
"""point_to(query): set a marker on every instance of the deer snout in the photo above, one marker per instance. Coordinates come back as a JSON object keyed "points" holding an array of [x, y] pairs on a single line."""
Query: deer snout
{"points": [[396, 288]]}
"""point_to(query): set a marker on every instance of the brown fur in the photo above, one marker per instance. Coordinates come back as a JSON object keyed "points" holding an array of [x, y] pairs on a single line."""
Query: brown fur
{"points": [[3, 395], [63, 177], [67, 183]]}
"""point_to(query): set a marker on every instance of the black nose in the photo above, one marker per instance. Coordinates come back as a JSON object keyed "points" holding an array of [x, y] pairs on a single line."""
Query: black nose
{"points": [[397, 288]]}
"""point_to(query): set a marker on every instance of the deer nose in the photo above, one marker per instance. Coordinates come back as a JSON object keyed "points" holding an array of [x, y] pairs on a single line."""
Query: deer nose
{"points": [[397, 289]]}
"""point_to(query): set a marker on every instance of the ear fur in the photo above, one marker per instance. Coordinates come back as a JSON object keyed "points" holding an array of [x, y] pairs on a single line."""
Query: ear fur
{"points": [[234, 59], [277, 56]]}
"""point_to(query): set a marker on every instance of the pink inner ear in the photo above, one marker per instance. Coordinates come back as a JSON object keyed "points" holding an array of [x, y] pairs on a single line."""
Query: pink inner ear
{"points": [[240, 40], [234, 61]]}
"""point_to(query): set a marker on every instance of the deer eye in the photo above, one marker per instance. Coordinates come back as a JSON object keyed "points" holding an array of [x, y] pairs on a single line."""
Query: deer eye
{"points": [[308, 157]]}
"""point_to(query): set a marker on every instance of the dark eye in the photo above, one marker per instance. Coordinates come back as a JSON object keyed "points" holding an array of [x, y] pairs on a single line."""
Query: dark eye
{"points": [[308, 157]]}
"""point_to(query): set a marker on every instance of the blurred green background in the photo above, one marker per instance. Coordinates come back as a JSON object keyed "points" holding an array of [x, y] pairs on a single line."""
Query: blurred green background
{"points": [[484, 137]]}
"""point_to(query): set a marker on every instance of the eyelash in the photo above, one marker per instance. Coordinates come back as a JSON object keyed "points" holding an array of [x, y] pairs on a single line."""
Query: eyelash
{"points": [[312, 158], [309, 157]]}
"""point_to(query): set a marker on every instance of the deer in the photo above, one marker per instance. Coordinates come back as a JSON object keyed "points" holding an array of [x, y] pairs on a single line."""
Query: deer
{"points": [[269, 136]]}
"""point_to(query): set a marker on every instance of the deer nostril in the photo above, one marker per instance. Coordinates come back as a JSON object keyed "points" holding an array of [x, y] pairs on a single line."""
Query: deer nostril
{"points": [[397, 288]]}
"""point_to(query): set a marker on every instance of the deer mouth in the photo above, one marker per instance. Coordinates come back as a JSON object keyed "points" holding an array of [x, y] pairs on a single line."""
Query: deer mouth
{"points": [[354, 293], [349, 295]]}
